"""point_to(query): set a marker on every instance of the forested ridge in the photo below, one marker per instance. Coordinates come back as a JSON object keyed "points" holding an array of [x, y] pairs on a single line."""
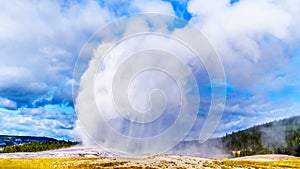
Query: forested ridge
{"points": [[278, 137], [7, 140], [37, 146], [11, 144]]}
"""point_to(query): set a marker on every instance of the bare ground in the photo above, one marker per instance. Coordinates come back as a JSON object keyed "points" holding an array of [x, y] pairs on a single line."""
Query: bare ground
{"points": [[95, 158]]}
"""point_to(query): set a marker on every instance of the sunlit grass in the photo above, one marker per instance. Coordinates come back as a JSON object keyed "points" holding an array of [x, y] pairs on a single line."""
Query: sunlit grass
{"points": [[227, 163], [48, 163], [63, 163]]}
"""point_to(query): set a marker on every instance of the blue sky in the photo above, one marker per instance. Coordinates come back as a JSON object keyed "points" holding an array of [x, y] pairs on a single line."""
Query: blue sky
{"points": [[257, 41]]}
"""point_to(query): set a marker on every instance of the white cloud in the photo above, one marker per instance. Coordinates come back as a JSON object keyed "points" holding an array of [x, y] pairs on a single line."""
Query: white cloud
{"points": [[259, 106], [56, 123], [153, 6], [6, 103], [252, 37], [15, 79], [40, 41], [10, 76]]}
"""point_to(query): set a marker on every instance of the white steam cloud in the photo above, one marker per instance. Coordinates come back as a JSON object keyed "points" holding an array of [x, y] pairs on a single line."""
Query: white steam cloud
{"points": [[143, 88]]}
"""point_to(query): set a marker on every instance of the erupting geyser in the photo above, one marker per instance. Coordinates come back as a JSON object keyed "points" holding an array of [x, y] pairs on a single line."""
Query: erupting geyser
{"points": [[137, 84]]}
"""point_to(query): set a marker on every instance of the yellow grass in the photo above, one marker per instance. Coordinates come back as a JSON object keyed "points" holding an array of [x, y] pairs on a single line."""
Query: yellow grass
{"points": [[227, 163], [58, 163]]}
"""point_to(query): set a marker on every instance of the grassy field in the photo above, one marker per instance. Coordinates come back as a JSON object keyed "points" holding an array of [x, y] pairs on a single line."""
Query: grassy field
{"points": [[76, 163], [291, 163], [58, 163]]}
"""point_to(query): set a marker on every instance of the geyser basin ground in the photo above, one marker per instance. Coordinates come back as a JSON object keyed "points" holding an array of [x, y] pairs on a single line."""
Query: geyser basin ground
{"points": [[79, 157]]}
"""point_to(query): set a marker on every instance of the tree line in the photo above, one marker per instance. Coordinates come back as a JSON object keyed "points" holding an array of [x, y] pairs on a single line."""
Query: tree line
{"points": [[37, 146], [278, 137]]}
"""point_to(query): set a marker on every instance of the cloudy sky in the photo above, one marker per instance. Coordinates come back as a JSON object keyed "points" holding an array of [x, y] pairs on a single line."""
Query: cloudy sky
{"points": [[258, 42]]}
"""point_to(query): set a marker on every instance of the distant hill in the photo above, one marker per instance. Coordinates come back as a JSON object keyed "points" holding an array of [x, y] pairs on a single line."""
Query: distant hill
{"points": [[277, 137], [12, 144], [6, 140]]}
